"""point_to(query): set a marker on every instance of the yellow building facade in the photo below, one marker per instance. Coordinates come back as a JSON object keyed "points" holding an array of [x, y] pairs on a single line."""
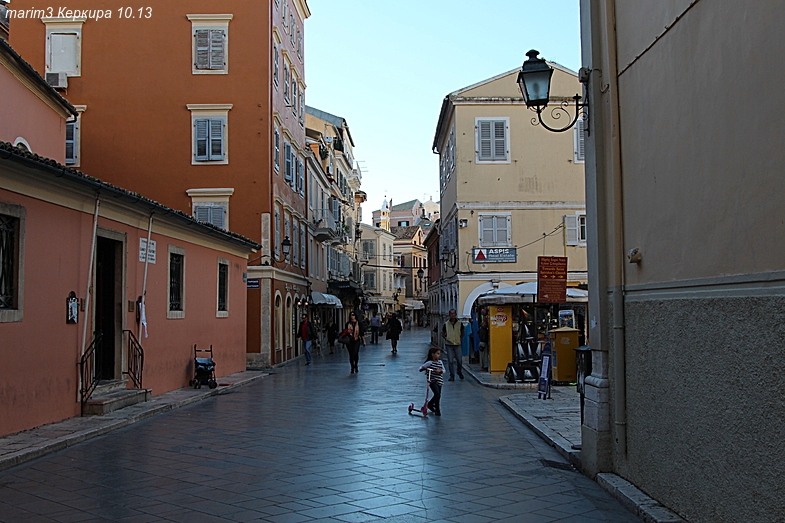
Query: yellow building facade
{"points": [[510, 192]]}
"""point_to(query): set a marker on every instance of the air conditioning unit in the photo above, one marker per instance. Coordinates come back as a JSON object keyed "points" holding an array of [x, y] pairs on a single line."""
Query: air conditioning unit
{"points": [[57, 80]]}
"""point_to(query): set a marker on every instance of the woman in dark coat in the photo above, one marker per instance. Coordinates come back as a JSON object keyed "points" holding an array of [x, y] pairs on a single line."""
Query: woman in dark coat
{"points": [[394, 329], [354, 331], [332, 334]]}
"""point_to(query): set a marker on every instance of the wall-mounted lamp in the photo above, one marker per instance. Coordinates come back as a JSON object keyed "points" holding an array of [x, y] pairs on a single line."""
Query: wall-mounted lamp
{"points": [[286, 247], [534, 81]]}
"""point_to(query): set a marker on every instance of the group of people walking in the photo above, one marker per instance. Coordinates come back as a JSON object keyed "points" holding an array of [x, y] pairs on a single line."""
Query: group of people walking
{"points": [[353, 336]]}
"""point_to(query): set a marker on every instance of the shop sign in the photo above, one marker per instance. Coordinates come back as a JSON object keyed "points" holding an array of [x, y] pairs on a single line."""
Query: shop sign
{"points": [[253, 283], [551, 279], [495, 255], [499, 319]]}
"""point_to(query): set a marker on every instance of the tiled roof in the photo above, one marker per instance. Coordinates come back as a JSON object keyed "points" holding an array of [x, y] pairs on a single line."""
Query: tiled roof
{"points": [[404, 232], [404, 206], [9, 152]]}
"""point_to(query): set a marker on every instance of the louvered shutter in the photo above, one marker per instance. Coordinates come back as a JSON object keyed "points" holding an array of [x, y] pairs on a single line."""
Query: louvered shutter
{"points": [[295, 244], [502, 230], [70, 143], [499, 141], [580, 141], [485, 145], [202, 37], [216, 139], [217, 216], [486, 231], [302, 177], [571, 229], [277, 151], [217, 47], [287, 157], [201, 138], [202, 213], [303, 246]]}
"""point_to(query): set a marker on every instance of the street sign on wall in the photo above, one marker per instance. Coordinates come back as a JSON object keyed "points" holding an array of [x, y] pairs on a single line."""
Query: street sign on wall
{"points": [[551, 279], [495, 255]]}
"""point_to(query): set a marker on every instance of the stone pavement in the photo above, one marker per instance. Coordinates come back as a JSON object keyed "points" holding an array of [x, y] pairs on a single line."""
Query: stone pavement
{"points": [[22, 447], [315, 443], [557, 420]]}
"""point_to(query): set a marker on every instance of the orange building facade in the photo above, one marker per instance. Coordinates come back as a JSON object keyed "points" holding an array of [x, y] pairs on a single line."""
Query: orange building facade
{"points": [[199, 106]]}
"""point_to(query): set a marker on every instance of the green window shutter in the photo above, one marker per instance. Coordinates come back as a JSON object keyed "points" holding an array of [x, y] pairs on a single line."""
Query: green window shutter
{"points": [[202, 37]]}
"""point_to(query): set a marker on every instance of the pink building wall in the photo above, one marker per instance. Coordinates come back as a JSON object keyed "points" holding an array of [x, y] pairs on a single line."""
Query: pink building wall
{"points": [[31, 118], [39, 379]]}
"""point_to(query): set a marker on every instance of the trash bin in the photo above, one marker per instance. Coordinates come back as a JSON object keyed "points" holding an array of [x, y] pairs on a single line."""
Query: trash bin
{"points": [[564, 341]]}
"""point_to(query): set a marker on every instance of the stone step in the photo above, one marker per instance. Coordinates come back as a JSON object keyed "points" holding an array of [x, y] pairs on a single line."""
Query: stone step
{"points": [[106, 402], [107, 386]]}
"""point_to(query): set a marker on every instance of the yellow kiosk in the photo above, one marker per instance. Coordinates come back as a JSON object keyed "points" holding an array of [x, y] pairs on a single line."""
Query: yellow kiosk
{"points": [[500, 339], [563, 342]]}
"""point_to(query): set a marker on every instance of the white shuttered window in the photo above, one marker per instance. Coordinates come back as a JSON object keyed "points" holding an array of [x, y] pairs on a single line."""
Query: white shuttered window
{"points": [[209, 135], [575, 229], [213, 214], [492, 140], [495, 230]]}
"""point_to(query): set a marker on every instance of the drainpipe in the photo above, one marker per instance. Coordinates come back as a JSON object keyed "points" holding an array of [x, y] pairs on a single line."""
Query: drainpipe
{"points": [[144, 280], [89, 277], [617, 265]]}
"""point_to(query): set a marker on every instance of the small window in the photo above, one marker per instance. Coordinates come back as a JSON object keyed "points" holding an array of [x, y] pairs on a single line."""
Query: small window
{"points": [[294, 95], [176, 295], [369, 277], [299, 45], [209, 139], [210, 51], [301, 176], [286, 81], [295, 243], [64, 45], [495, 230], [223, 289], [276, 59], [302, 107], [288, 161], [70, 142], [12, 218], [210, 133], [278, 240], [492, 140], [291, 29], [277, 150]]}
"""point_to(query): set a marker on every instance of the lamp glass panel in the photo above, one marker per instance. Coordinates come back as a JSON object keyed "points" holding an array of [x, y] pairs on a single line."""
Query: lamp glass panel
{"points": [[537, 86]]}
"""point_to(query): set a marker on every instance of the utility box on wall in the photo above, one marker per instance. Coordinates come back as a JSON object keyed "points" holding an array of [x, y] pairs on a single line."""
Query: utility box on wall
{"points": [[500, 340]]}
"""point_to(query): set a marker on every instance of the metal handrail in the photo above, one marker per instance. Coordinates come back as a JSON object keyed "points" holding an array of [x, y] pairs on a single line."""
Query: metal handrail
{"points": [[135, 359], [87, 369]]}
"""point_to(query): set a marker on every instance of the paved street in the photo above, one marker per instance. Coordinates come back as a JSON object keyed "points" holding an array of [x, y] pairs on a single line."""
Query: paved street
{"points": [[316, 443]]}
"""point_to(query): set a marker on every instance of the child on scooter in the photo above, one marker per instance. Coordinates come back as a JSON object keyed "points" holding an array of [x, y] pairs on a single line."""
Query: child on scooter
{"points": [[435, 368]]}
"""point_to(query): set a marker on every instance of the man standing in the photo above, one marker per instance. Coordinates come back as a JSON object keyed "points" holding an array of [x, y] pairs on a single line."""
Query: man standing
{"points": [[306, 332], [452, 332], [376, 324]]}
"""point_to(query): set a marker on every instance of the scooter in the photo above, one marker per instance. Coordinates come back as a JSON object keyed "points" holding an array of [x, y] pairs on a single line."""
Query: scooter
{"points": [[424, 409]]}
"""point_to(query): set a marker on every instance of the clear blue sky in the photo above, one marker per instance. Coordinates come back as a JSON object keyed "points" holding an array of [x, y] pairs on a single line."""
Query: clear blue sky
{"points": [[386, 66]]}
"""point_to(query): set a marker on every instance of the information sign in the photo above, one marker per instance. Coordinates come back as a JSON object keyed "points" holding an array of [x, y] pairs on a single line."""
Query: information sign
{"points": [[551, 279], [253, 283], [143, 250]]}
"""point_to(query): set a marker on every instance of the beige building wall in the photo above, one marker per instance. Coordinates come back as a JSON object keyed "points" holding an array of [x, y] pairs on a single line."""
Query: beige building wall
{"points": [[686, 401]]}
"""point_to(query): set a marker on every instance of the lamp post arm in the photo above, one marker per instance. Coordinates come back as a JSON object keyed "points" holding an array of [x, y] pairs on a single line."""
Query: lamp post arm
{"points": [[556, 113]]}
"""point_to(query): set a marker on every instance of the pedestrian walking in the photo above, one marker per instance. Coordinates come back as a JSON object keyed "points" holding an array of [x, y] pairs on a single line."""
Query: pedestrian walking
{"points": [[452, 332], [332, 334], [435, 375], [484, 350], [394, 329], [353, 330], [307, 333], [376, 325]]}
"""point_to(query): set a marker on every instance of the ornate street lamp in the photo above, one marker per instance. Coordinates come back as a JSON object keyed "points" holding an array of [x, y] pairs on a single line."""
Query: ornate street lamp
{"points": [[534, 81], [286, 247]]}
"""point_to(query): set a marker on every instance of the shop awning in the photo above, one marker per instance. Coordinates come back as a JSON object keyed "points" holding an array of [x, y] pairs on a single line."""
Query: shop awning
{"points": [[525, 293], [327, 300], [415, 305]]}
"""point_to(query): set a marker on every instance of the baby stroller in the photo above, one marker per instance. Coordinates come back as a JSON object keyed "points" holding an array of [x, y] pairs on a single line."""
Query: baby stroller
{"points": [[204, 369]]}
